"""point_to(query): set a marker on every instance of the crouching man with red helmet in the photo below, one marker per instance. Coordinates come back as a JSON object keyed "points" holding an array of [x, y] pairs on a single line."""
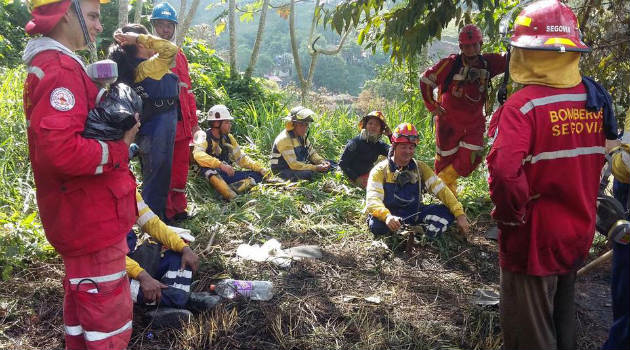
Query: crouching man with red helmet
{"points": [[395, 187], [462, 81], [546, 160], [85, 191]]}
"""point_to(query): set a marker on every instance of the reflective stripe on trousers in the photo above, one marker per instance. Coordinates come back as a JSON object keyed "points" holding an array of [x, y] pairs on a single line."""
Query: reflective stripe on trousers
{"points": [[97, 303]]}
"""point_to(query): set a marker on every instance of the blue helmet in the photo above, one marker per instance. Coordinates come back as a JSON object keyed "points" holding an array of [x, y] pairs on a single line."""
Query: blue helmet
{"points": [[165, 11]]}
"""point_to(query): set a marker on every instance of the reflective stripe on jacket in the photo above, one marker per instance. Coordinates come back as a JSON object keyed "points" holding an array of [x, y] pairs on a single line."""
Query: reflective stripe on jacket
{"points": [[85, 191], [384, 196], [156, 228], [292, 152], [455, 97], [225, 150], [544, 169]]}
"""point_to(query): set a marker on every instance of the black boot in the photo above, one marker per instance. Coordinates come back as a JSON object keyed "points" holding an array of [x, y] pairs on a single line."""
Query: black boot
{"points": [[167, 317], [202, 301]]}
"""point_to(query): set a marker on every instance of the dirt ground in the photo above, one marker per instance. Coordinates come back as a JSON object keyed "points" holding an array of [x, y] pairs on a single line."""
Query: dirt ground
{"points": [[360, 295]]}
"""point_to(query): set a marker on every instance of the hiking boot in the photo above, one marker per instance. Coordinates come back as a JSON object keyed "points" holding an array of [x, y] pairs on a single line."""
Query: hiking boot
{"points": [[202, 301], [168, 318]]}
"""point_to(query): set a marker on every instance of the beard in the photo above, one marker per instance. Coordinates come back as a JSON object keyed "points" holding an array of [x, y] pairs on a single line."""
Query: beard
{"points": [[369, 137]]}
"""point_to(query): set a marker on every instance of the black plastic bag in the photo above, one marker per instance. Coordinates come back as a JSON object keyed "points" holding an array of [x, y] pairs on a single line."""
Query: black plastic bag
{"points": [[114, 114]]}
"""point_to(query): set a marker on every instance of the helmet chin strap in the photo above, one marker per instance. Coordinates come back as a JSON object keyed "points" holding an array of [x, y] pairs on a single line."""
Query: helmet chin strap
{"points": [[86, 35]]}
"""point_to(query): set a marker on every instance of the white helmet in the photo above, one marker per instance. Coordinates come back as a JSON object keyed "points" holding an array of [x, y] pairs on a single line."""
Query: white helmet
{"points": [[218, 113]]}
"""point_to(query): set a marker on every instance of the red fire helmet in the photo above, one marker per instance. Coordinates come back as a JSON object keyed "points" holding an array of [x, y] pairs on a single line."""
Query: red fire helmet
{"points": [[405, 133], [548, 25], [470, 34]]}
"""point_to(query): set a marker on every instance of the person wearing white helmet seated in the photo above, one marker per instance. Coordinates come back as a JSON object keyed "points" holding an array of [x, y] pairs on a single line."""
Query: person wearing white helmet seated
{"points": [[293, 156], [218, 156]]}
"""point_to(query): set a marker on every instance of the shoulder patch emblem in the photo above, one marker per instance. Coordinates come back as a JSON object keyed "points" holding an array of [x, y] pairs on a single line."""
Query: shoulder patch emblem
{"points": [[62, 99]]}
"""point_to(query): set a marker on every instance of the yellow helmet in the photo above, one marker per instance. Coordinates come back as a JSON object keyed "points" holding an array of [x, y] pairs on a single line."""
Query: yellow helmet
{"points": [[298, 114], [374, 114]]}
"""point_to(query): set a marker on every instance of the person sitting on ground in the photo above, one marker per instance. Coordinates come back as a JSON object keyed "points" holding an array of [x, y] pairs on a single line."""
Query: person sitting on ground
{"points": [[395, 187], [218, 157], [163, 277], [293, 157], [362, 151]]}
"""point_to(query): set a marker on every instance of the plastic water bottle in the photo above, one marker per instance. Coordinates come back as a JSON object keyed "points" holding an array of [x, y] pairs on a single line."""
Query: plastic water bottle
{"points": [[254, 290]]}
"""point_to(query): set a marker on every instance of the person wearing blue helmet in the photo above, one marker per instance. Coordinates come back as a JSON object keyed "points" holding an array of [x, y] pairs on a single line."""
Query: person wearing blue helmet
{"points": [[164, 22]]}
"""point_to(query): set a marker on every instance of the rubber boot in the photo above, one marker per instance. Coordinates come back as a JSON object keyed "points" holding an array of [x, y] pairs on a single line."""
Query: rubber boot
{"points": [[449, 176], [222, 187], [243, 186]]}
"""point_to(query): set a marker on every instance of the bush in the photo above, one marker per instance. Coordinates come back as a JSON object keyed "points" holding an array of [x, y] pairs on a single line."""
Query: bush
{"points": [[21, 236]]}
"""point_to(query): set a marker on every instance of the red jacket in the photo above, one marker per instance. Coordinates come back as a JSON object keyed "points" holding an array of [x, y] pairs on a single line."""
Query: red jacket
{"points": [[187, 101], [464, 97], [85, 191], [544, 176]]}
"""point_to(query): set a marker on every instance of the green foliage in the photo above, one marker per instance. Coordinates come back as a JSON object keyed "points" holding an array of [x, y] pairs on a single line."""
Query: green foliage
{"points": [[608, 63], [403, 29], [13, 16], [21, 235], [342, 73], [212, 83]]}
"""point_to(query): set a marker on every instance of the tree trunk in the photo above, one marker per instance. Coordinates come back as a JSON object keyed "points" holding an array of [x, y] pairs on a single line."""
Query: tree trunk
{"points": [[182, 11], [123, 13], [305, 84], [138, 15], [185, 24], [232, 28], [296, 55], [261, 28]]}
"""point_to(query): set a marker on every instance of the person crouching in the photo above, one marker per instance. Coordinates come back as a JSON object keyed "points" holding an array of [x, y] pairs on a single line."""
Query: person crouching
{"points": [[395, 187]]}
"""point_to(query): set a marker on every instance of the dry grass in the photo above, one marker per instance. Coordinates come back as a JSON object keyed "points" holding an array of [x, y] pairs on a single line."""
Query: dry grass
{"points": [[425, 299]]}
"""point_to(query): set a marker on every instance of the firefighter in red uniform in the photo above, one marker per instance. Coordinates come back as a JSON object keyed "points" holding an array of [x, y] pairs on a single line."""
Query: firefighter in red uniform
{"points": [[462, 81], [164, 21], [546, 160], [85, 191]]}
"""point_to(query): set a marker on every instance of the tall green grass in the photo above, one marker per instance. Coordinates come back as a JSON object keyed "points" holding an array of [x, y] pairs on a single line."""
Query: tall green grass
{"points": [[331, 205], [21, 234]]}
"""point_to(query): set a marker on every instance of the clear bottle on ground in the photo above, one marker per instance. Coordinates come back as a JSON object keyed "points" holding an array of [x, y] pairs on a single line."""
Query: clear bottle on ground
{"points": [[254, 290]]}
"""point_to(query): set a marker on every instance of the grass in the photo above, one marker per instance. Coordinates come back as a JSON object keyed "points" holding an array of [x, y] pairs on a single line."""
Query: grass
{"points": [[425, 298]]}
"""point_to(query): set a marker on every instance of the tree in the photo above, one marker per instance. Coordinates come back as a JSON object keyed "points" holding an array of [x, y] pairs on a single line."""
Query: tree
{"points": [[259, 34], [407, 27], [184, 21], [138, 11], [607, 34], [232, 32], [123, 13], [305, 82]]}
